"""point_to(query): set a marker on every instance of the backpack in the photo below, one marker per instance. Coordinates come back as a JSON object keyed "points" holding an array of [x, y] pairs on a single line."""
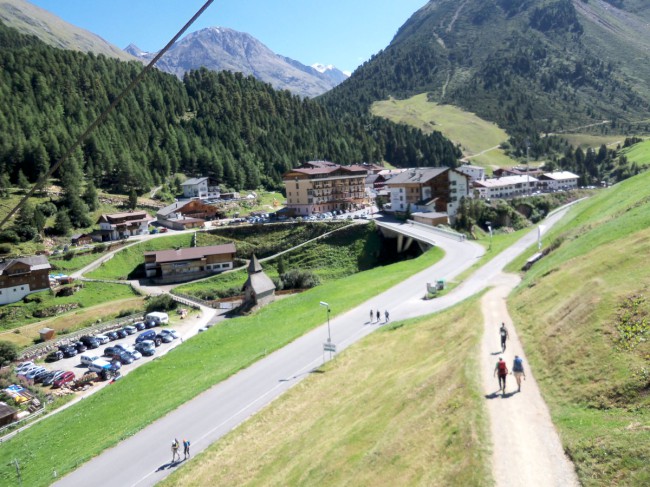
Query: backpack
{"points": [[503, 370], [518, 365]]}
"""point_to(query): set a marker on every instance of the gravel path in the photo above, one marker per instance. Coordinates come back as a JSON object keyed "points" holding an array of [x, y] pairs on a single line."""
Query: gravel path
{"points": [[526, 447]]}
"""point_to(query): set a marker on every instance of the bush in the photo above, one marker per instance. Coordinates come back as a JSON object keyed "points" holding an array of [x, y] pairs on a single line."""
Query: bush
{"points": [[164, 302], [9, 236], [297, 279], [8, 353], [5, 249], [47, 208], [99, 248]]}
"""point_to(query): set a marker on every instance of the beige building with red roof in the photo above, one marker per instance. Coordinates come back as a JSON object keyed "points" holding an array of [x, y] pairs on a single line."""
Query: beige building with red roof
{"points": [[177, 265], [321, 186]]}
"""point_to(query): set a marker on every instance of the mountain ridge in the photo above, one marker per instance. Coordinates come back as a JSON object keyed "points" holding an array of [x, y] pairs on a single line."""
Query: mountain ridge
{"points": [[222, 48], [30, 19]]}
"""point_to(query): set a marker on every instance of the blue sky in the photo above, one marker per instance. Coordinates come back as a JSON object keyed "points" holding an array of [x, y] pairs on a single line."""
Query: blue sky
{"points": [[344, 33]]}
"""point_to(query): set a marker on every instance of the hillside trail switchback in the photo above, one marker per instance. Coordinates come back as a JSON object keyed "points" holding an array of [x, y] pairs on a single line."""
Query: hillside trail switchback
{"points": [[526, 448]]}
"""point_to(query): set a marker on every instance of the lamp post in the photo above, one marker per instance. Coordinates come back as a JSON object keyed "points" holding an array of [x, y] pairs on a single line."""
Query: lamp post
{"points": [[329, 333], [489, 227]]}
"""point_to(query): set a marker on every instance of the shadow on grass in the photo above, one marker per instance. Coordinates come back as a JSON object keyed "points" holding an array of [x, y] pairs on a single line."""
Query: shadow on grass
{"points": [[170, 465]]}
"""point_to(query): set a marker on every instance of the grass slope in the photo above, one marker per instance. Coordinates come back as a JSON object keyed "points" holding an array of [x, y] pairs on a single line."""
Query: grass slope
{"points": [[474, 134], [160, 386], [400, 408], [582, 313]]}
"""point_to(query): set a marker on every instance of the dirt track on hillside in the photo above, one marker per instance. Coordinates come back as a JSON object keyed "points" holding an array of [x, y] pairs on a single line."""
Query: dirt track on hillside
{"points": [[526, 447]]}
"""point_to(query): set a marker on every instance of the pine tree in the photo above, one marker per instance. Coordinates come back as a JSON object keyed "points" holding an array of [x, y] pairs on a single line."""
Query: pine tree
{"points": [[62, 224], [133, 199]]}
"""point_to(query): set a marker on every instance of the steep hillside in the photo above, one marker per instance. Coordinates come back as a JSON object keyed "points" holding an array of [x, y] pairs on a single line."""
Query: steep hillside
{"points": [[529, 66], [30, 19], [583, 313], [220, 48]]}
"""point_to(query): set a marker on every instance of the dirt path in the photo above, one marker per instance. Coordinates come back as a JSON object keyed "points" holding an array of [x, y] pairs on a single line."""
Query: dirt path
{"points": [[526, 449]]}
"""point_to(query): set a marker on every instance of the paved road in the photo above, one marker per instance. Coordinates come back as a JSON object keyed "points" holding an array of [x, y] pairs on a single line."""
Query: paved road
{"points": [[143, 459]]}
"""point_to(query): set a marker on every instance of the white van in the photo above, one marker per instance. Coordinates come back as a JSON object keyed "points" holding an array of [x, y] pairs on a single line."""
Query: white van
{"points": [[157, 317], [88, 359]]}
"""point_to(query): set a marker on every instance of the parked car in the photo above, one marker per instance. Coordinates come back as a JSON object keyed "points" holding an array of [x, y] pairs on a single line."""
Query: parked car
{"points": [[164, 337], [111, 351], [90, 342], [26, 370], [139, 325], [63, 379], [68, 351], [112, 335], [23, 366], [40, 376], [81, 348], [124, 358], [32, 373], [145, 335], [130, 329], [146, 347], [136, 355], [88, 359], [54, 356], [49, 379], [173, 333], [102, 339], [121, 333]]}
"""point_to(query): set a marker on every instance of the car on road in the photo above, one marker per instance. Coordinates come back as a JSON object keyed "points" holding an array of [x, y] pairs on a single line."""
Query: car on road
{"points": [[54, 356], [146, 347], [63, 379], [49, 379]]}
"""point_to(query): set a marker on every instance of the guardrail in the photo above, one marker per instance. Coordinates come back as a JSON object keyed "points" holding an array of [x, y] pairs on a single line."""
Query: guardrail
{"points": [[442, 231], [8, 436]]}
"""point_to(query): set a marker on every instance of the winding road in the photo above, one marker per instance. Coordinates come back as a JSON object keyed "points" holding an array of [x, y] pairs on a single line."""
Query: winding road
{"points": [[215, 412]]}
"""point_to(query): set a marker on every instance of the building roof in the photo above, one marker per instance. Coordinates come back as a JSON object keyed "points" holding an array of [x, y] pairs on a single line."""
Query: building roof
{"points": [[260, 282], [559, 175], [416, 175], [131, 216], [35, 262], [313, 168], [6, 410], [192, 253], [254, 265], [173, 208], [430, 214], [505, 181], [193, 181]]}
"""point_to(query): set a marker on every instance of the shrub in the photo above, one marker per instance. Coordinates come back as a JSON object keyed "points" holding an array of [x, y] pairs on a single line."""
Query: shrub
{"points": [[8, 353], [47, 208], [164, 302], [298, 279], [5, 249], [9, 236]]}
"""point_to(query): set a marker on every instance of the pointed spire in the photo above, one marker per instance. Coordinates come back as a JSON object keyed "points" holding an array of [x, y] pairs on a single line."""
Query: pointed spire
{"points": [[254, 266]]}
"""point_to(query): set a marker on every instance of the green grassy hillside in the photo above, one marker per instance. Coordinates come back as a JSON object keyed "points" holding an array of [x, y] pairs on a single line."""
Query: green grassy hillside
{"points": [[396, 409], [478, 138], [583, 313]]}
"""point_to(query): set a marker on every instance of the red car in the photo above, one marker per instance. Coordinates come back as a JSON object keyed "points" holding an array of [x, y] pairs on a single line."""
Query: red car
{"points": [[64, 379]]}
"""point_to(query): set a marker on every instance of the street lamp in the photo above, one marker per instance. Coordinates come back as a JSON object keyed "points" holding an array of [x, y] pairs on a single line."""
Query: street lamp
{"points": [[329, 333], [489, 227]]}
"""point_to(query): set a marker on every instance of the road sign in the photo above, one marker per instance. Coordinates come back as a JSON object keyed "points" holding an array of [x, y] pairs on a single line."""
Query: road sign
{"points": [[329, 347]]}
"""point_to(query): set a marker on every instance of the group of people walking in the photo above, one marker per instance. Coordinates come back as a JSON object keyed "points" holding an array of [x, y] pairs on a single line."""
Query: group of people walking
{"points": [[501, 368], [176, 445], [372, 316]]}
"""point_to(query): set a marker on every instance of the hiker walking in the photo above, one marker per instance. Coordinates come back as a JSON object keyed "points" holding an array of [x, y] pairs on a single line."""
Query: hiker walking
{"points": [[518, 371], [386, 315], [175, 455], [186, 448], [503, 333], [378, 316], [502, 370]]}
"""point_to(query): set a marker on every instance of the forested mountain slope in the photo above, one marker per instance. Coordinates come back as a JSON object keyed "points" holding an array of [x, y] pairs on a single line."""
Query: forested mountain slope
{"points": [[225, 125], [528, 65]]}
